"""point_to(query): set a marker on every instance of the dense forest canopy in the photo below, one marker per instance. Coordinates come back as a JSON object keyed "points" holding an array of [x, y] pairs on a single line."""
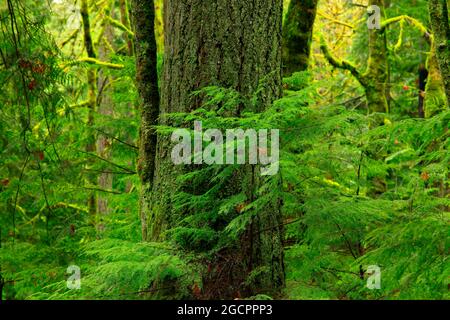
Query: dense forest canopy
{"points": [[348, 198]]}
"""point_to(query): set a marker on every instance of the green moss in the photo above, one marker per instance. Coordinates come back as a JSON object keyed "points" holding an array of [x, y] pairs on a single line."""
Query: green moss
{"points": [[297, 35]]}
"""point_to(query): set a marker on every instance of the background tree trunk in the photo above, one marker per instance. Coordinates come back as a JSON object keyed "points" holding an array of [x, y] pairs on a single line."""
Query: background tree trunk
{"points": [[441, 30], [92, 98], [297, 35], [125, 19], [105, 109], [234, 44], [376, 75], [422, 77]]}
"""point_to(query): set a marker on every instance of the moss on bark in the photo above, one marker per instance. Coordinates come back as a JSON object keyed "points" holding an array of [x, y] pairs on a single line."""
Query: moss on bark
{"points": [[234, 44], [376, 75], [143, 13], [441, 30], [92, 97], [297, 35], [435, 100]]}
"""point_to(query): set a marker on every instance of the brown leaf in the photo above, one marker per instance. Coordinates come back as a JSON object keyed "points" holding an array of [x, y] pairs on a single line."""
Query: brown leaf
{"points": [[425, 176]]}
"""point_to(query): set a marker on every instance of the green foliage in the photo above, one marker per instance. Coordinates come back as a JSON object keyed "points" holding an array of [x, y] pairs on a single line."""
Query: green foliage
{"points": [[370, 196], [353, 195], [114, 269]]}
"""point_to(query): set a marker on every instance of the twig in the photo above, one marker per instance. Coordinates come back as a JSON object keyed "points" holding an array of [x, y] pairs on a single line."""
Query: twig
{"points": [[107, 161]]}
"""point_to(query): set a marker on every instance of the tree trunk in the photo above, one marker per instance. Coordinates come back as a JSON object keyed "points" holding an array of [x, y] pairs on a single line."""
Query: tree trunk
{"points": [[441, 30], [435, 99], [376, 75], [92, 98], [297, 35], [234, 44], [125, 19], [105, 109], [143, 12], [423, 76]]}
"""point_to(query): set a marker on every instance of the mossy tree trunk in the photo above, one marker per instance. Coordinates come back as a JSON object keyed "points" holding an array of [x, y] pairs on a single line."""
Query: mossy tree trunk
{"points": [[143, 15], [441, 30], [374, 79], [297, 35], [125, 19], [92, 97], [376, 75], [435, 100], [234, 44]]}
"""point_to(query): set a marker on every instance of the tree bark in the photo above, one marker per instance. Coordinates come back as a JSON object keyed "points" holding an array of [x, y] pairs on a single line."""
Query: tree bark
{"points": [[297, 35], [105, 109], [376, 75], [92, 97], [441, 30], [125, 19], [143, 14], [435, 100], [423, 76], [234, 44]]}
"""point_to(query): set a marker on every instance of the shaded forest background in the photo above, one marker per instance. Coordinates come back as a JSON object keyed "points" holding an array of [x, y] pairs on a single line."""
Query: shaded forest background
{"points": [[364, 165]]}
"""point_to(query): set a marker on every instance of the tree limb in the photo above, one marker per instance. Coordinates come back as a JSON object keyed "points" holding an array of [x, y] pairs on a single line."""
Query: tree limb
{"points": [[338, 63]]}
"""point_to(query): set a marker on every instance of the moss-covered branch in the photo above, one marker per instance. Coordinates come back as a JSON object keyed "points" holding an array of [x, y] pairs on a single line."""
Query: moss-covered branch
{"points": [[82, 104], [374, 79], [120, 26], [342, 23], [101, 63], [339, 63], [414, 22], [72, 36]]}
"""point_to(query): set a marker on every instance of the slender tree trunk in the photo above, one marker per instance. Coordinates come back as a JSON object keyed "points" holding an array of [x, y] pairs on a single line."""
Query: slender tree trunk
{"points": [[297, 35], [237, 46], [376, 75], [423, 76], [441, 30], [124, 6], [105, 109], [92, 97], [125, 19], [143, 12]]}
